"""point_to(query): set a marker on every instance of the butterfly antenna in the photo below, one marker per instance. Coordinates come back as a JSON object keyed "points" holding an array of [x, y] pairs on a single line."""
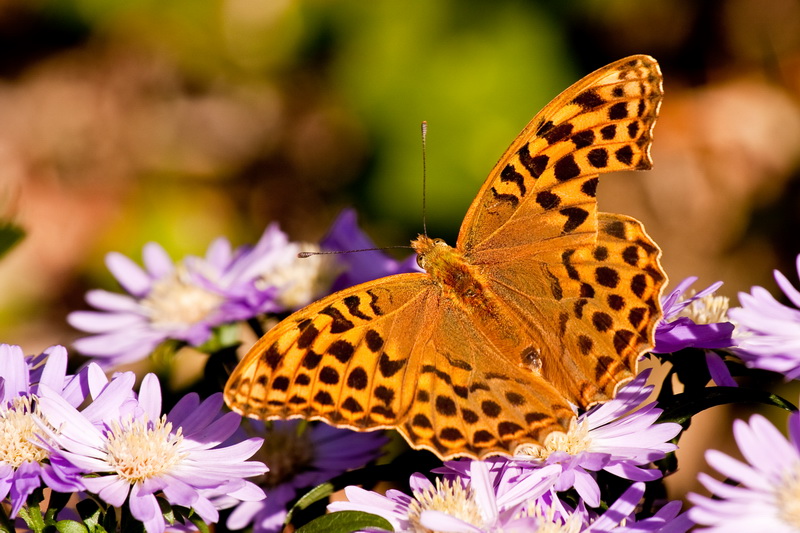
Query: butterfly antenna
{"points": [[424, 173], [303, 255]]}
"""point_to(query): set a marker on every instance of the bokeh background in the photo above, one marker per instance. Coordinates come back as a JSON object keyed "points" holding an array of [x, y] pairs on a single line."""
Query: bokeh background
{"points": [[141, 120]]}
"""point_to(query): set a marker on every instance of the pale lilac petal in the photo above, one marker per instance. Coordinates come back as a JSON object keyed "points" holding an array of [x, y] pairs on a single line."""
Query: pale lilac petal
{"points": [[438, 521], [101, 322], [150, 396], [112, 301], [157, 260], [55, 370], [128, 274], [14, 371], [112, 489]]}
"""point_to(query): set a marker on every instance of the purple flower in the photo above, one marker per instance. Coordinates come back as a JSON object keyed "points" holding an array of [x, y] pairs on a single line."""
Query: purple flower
{"points": [[345, 235], [24, 463], [620, 517], [483, 501], [128, 451], [768, 332], [696, 321], [608, 437], [765, 497], [185, 300], [300, 455]]}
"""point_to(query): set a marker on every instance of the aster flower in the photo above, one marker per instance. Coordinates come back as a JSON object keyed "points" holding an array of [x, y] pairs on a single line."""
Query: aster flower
{"points": [[765, 497], [696, 321], [480, 502], [345, 235], [24, 464], [620, 517], [300, 455], [129, 453], [768, 332], [185, 300], [608, 437]]}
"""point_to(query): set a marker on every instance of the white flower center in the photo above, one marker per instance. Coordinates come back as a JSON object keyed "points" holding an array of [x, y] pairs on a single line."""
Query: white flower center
{"points": [[138, 450], [174, 300], [19, 433], [447, 497], [709, 309], [788, 497], [573, 442], [301, 280]]}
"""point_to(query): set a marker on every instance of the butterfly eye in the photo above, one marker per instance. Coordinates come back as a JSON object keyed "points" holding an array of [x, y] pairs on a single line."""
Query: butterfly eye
{"points": [[439, 242], [421, 261]]}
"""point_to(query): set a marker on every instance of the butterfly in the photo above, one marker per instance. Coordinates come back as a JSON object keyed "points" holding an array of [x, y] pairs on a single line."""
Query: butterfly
{"points": [[543, 304]]}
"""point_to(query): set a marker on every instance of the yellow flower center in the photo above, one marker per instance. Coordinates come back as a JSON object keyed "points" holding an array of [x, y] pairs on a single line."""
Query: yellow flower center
{"points": [[175, 301], [573, 442], [19, 432], [788, 497], [709, 309], [448, 497], [546, 522], [137, 450]]}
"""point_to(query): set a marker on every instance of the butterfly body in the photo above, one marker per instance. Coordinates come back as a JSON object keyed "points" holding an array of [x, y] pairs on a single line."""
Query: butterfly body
{"points": [[461, 283], [543, 304]]}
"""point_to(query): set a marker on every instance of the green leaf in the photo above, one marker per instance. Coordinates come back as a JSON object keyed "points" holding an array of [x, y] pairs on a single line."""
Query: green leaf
{"points": [[222, 337], [92, 515], [10, 235], [198, 522], [345, 522], [70, 526], [681, 407], [33, 517], [314, 495]]}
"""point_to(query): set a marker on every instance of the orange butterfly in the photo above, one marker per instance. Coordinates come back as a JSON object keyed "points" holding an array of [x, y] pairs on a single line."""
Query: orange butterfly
{"points": [[543, 302]]}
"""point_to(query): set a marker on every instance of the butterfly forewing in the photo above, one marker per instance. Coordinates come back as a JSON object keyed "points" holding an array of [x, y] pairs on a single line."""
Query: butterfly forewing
{"points": [[544, 185], [342, 359]]}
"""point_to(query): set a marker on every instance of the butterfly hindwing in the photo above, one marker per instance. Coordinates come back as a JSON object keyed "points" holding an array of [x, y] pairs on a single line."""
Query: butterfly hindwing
{"points": [[471, 397]]}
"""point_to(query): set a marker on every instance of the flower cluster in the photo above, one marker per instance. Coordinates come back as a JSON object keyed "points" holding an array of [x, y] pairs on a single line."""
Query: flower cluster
{"points": [[86, 433], [156, 459]]}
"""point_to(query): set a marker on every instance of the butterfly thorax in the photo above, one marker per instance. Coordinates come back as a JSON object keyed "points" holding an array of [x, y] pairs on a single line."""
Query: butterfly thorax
{"points": [[459, 280]]}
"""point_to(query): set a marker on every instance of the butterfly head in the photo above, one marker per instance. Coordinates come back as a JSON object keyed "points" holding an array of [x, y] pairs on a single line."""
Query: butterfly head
{"points": [[430, 252]]}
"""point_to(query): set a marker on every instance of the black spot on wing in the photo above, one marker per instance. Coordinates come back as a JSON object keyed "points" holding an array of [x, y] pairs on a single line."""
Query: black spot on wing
{"points": [[588, 100], [534, 165], [566, 168], [510, 174], [351, 302], [340, 324], [502, 197]]}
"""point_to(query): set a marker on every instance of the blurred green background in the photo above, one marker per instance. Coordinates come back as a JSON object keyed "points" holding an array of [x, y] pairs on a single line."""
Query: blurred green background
{"points": [[123, 122]]}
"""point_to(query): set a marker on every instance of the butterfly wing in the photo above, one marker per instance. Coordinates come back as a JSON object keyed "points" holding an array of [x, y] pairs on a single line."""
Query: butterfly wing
{"points": [[471, 398], [544, 185], [533, 229], [341, 359], [395, 353]]}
